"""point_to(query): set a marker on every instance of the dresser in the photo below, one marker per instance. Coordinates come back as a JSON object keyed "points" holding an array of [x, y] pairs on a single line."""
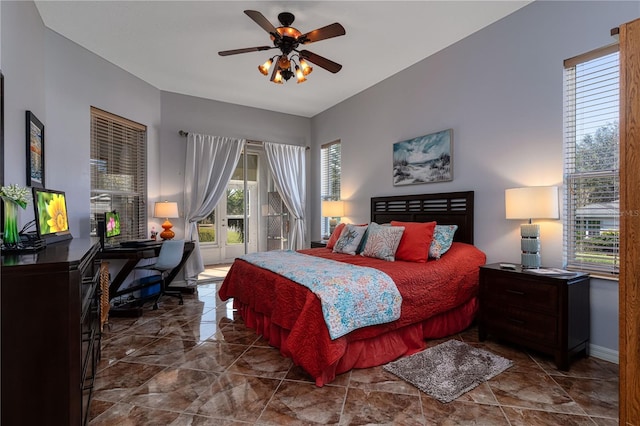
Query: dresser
{"points": [[546, 313], [50, 341]]}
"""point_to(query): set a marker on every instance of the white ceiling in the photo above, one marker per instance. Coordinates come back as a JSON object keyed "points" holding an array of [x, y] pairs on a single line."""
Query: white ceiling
{"points": [[174, 45]]}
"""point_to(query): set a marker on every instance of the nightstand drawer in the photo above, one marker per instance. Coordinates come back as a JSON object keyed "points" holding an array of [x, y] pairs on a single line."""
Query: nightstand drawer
{"points": [[500, 291], [526, 325]]}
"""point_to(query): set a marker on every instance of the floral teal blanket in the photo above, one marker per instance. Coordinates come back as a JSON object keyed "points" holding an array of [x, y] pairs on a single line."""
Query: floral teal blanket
{"points": [[351, 296]]}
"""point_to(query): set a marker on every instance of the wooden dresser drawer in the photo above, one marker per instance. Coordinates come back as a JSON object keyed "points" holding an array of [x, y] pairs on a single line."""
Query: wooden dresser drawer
{"points": [[525, 324], [502, 291]]}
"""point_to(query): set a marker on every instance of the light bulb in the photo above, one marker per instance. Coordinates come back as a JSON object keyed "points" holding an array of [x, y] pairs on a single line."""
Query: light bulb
{"points": [[264, 68], [306, 69], [300, 75], [278, 78]]}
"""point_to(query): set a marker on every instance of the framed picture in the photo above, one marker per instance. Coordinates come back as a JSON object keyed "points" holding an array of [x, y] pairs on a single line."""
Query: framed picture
{"points": [[35, 151], [425, 159]]}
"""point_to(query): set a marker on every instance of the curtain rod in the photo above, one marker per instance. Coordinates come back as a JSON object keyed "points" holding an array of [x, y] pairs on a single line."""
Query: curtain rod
{"points": [[259, 143]]}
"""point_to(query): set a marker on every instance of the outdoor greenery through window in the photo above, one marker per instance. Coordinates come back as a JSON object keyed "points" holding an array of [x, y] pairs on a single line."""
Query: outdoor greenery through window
{"points": [[235, 207], [330, 164], [119, 172], [591, 162]]}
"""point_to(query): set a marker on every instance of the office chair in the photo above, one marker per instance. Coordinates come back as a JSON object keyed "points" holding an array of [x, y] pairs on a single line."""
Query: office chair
{"points": [[169, 257]]}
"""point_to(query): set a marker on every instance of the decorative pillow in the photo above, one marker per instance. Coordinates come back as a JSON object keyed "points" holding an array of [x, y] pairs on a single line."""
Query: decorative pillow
{"points": [[442, 240], [382, 241], [349, 239], [415, 242], [335, 235]]}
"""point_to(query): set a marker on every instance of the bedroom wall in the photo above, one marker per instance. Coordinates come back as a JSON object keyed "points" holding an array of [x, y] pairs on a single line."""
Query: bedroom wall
{"points": [[199, 115], [23, 68], [76, 80], [500, 90], [59, 81]]}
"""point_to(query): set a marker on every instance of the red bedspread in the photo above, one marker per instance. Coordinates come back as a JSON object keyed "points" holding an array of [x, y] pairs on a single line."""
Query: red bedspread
{"points": [[290, 316]]}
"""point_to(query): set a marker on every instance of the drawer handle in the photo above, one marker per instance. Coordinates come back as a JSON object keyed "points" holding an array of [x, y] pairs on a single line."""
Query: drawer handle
{"points": [[517, 292], [516, 321]]}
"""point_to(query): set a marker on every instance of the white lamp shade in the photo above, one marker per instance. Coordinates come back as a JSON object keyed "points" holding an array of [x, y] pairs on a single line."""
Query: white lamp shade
{"points": [[332, 208], [166, 209], [534, 202]]}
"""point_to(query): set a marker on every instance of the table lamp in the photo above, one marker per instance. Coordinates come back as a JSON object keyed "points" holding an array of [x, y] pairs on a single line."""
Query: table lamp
{"points": [[534, 202], [167, 210], [333, 210]]}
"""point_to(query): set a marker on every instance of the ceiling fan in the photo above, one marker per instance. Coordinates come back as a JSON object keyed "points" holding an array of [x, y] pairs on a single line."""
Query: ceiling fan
{"points": [[288, 39]]}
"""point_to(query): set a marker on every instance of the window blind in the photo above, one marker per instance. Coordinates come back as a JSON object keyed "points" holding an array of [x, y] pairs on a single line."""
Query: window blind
{"points": [[119, 172], [591, 162], [330, 164]]}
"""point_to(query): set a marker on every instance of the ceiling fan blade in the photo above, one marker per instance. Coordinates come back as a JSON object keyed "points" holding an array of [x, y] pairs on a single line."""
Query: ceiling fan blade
{"points": [[330, 31], [320, 61], [263, 22], [245, 50]]}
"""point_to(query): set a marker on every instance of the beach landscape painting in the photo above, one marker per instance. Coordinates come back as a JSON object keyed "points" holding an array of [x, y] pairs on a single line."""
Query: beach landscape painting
{"points": [[425, 159]]}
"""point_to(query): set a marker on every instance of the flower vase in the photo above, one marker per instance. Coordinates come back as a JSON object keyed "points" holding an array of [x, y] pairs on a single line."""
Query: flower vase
{"points": [[10, 237]]}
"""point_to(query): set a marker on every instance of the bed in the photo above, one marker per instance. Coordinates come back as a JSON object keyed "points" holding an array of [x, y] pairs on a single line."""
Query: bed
{"points": [[289, 316]]}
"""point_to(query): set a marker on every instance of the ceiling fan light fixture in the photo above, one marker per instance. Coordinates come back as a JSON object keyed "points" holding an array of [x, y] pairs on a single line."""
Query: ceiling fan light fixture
{"points": [[288, 32], [306, 68], [300, 75], [287, 39], [264, 68]]}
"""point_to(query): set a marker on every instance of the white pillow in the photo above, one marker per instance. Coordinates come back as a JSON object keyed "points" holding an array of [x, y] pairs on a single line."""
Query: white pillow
{"points": [[349, 239]]}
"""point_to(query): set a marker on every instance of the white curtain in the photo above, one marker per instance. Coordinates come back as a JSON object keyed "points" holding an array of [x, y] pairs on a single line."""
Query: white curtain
{"points": [[211, 161], [287, 165]]}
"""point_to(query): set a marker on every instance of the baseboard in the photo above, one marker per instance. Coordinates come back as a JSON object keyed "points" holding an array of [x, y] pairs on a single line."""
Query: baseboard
{"points": [[603, 353]]}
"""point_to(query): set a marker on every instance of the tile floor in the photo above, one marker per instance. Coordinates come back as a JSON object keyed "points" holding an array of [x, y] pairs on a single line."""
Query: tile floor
{"points": [[197, 364]]}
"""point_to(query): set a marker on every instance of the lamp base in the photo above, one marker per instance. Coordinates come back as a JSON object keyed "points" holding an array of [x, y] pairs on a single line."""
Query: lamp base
{"points": [[530, 246], [530, 260], [167, 234], [332, 225]]}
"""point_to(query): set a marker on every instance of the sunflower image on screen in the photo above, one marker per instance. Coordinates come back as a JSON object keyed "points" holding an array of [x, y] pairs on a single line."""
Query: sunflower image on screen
{"points": [[52, 212]]}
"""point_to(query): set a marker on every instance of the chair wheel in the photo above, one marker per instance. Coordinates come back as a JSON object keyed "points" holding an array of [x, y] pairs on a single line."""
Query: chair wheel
{"points": [[181, 302], [155, 306]]}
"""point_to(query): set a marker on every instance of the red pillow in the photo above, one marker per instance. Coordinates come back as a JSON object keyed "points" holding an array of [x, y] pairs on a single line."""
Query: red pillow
{"points": [[415, 242], [335, 235]]}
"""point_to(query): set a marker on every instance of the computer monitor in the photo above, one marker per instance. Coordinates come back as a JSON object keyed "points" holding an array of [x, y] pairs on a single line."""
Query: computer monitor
{"points": [[111, 224], [50, 210]]}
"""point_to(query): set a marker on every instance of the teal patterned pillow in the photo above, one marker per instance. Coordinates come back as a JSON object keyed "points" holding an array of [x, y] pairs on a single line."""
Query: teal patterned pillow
{"points": [[382, 241], [442, 240], [349, 239]]}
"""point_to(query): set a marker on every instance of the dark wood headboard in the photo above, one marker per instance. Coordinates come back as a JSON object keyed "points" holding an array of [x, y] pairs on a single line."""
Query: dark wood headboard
{"points": [[447, 208]]}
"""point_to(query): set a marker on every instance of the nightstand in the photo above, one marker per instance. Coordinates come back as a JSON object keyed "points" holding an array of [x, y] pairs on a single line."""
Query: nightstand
{"points": [[319, 244], [546, 313]]}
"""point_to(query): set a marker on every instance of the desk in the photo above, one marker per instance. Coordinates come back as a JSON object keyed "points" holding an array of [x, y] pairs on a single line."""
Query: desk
{"points": [[133, 255]]}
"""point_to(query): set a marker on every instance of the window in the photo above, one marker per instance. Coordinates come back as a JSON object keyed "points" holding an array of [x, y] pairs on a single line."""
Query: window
{"points": [[234, 205], [591, 162], [207, 228], [330, 177], [119, 172]]}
